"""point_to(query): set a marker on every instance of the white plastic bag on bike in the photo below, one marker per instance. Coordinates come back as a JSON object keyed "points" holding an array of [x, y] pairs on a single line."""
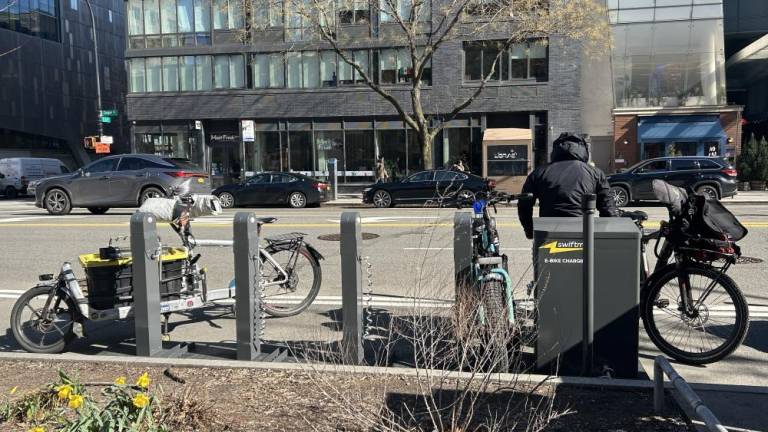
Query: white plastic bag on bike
{"points": [[160, 208]]}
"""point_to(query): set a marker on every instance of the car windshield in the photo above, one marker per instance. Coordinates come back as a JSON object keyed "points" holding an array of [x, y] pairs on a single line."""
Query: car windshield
{"points": [[184, 164]]}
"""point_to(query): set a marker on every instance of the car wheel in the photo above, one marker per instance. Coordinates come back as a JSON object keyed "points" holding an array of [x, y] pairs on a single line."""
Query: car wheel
{"points": [[150, 192], [227, 199], [465, 194], [297, 200], [57, 202], [708, 191], [10, 192], [98, 210], [620, 196], [382, 199]]}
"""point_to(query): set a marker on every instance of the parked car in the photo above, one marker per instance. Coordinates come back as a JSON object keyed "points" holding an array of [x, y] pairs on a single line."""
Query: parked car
{"points": [[296, 190], [18, 172], [711, 176], [424, 186], [117, 181]]}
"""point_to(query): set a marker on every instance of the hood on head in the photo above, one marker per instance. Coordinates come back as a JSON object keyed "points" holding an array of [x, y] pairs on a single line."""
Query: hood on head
{"points": [[563, 150]]}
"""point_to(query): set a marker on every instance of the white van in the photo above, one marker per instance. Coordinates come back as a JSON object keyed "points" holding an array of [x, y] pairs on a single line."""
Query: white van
{"points": [[18, 172]]}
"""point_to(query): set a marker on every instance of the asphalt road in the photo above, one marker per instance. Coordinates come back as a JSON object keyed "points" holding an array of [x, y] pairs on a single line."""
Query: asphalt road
{"points": [[410, 258]]}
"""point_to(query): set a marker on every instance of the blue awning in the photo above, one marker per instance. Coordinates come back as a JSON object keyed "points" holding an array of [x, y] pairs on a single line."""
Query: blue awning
{"points": [[680, 128]]}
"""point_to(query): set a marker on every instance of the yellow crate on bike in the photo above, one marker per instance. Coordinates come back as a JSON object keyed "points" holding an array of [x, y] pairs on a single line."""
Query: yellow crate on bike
{"points": [[110, 281]]}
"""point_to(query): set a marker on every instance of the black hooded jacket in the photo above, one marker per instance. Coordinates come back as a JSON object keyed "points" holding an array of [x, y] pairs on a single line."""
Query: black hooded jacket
{"points": [[561, 185]]}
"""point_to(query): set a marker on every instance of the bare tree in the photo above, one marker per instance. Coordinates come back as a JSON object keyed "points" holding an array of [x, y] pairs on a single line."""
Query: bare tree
{"points": [[422, 27]]}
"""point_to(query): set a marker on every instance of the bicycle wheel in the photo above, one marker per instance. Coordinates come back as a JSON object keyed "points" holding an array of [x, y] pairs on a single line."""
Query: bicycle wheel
{"points": [[716, 325], [295, 294], [496, 325], [42, 333]]}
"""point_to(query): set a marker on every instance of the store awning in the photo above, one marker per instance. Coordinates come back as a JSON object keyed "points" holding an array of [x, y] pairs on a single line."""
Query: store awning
{"points": [[680, 128], [507, 134]]}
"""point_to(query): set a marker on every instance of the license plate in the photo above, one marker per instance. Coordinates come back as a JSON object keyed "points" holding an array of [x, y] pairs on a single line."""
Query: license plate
{"points": [[200, 180]]}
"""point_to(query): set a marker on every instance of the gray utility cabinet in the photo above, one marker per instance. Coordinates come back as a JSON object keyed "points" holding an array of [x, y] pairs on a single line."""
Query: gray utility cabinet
{"points": [[558, 248]]}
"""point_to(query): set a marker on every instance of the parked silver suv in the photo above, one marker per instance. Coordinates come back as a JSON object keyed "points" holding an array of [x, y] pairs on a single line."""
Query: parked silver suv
{"points": [[117, 181]]}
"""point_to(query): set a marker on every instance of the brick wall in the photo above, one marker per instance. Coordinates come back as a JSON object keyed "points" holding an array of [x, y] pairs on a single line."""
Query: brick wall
{"points": [[625, 129], [731, 122]]}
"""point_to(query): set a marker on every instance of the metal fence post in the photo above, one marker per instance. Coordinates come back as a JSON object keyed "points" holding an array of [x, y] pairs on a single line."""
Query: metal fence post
{"points": [[658, 388], [588, 336], [351, 288], [247, 273], [462, 249], [146, 284]]}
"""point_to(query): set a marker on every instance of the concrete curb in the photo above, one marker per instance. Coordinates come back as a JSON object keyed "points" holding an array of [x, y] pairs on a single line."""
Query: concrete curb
{"points": [[367, 370]]}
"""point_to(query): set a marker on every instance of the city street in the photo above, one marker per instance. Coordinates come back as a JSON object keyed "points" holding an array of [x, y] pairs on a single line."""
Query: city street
{"points": [[411, 258]]}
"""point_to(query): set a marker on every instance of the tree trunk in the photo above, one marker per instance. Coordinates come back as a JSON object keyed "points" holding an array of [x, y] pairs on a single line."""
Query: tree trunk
{"points": [[426, 140]]}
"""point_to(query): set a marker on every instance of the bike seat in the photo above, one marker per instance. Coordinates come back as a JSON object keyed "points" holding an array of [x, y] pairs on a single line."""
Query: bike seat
{"points": [[637, 215], [265, 220]]}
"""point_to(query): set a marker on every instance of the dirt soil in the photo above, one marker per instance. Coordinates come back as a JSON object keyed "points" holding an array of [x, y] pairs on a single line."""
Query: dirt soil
{"points": [[274, 400]]}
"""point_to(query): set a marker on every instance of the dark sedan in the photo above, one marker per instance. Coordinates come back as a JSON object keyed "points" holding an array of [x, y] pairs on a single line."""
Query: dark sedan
{"points": [[296, 190], [426, 186], [714, 177]]}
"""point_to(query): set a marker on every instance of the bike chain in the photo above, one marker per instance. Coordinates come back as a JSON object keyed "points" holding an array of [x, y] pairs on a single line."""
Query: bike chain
{"points": [[367, 296]]}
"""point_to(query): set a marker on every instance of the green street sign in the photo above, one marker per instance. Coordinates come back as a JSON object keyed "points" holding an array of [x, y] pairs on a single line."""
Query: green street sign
{"points": [[105, 119], [108, 113]]}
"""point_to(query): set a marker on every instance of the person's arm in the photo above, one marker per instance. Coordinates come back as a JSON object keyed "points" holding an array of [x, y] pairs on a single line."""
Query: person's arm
{"points": [[525, 206], [605, 203]]}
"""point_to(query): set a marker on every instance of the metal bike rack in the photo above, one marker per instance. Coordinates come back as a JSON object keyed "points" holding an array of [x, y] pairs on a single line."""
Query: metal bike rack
{"points": [[662, 366], [351, 289], [146, 284], [462, 249], [247, 275], [588, 206]]}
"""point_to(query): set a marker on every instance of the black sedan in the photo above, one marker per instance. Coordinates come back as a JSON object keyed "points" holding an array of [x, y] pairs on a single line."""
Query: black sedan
{"points": [[296, 190], [426, 186]]}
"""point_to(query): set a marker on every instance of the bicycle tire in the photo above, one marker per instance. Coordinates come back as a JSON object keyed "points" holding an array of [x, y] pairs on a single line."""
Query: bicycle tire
{"points": [[496, 325], [280, 312], [21, 338], [731, 343]]}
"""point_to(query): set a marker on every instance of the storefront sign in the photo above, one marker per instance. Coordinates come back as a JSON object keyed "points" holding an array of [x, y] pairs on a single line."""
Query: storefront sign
{"points": [[248, 131], [507, 160], [198, 125], [224, 138]]}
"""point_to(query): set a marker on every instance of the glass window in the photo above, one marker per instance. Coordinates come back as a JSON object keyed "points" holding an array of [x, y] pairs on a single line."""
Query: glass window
{"points": [[137, 75], [135, 17], [684, 164], [329, 145], [655, 166], [103, 165], [184, 12], [328, 68], [386, 12], [236, 71], [361, 60], [293, 63], [539, 61], [422, 176], [153, 74], [392, 148], [220, 20], [168, 16], [310, 69], [404, 68], [203, 73], [360, 150], [491, 56], [187, 73], [345, 71], [301, 158], [388, 66], [260, 71], [202, 15], [276, 70], [170, 74], [236, 15], [259, 179], [135, 164], [221, 72], [473, 56], [708, 164], [151, 16], [264, 153]]}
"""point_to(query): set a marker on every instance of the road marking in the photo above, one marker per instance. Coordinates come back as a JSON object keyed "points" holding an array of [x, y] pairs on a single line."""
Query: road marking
{"points": [[378, 219], [27, 218]]}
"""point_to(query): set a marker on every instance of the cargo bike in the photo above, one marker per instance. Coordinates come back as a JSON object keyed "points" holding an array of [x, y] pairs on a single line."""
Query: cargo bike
{"points": [[47, 317]]}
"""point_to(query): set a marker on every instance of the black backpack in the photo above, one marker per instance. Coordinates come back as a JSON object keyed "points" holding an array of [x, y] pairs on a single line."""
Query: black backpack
{"points": [[710, 219]]}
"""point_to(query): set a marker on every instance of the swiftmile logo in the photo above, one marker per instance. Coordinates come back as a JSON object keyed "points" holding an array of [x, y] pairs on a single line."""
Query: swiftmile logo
{"points": [[557, 247]]}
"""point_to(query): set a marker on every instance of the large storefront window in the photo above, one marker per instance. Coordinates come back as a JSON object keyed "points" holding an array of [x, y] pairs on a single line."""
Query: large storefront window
{"points": [[360, 154], [668, 64], [393, 149], [329, 145], [267, 152], [301, 157]]}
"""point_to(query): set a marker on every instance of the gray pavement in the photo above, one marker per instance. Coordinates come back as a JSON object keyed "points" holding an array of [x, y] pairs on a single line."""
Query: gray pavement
{"points": [[412, 258]]}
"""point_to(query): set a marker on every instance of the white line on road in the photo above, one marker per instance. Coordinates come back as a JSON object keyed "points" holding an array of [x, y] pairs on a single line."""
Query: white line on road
{"points": [[28, 218], [450, 249]]}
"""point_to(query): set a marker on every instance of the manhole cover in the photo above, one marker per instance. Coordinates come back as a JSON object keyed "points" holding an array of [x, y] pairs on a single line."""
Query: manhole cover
{"points": [[337, 237]]}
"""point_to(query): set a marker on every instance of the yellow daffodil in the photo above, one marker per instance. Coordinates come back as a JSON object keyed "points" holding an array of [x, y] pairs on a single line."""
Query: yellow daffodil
{"points": [[37, 429], [75, 401], [120, 381], [64, 391], [143, 380], [13, 390], [140, 400]]}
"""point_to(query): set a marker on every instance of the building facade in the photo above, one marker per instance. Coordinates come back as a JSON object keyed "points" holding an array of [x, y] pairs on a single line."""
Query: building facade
{"points": [[286, 102], [669, 85], [47, 77]]}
